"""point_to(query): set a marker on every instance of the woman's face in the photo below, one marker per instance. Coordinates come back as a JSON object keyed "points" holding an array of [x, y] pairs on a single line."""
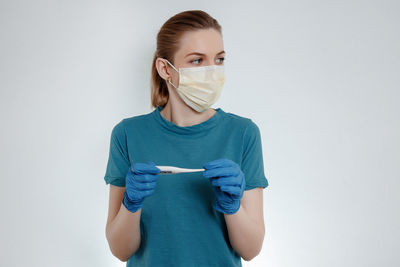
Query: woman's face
{"points": [[197, 48]]}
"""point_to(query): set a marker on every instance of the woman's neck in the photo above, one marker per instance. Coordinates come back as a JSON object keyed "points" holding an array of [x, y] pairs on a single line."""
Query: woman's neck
{"points": [[183, 115]]}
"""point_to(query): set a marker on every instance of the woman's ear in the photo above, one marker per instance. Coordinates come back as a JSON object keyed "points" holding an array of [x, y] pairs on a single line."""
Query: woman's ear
{"points": [[162, 69]]}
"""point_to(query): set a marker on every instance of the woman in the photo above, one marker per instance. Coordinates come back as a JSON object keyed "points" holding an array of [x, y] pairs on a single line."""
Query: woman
{"points": [[209, 218]]}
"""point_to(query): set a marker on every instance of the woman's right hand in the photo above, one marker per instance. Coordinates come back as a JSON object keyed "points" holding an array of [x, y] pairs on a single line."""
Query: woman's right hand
{"points": [[140, 183]]}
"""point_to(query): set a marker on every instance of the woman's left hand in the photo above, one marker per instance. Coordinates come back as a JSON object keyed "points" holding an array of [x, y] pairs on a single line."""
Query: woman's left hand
{"points": [[228, 183]]}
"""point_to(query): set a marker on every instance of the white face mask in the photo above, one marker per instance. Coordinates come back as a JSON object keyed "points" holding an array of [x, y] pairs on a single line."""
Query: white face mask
{"points": [[200, 87]]}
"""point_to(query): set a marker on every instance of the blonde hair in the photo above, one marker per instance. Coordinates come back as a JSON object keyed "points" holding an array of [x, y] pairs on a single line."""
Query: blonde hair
{"points": [[168, 43]]}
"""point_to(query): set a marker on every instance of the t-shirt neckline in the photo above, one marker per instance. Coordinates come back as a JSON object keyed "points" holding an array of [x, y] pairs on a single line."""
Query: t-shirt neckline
{"points": [[187, 130]]}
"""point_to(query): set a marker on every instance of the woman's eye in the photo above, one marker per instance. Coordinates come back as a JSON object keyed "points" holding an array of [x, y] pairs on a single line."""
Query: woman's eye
{"points": [[221, 59], [196, 60]]}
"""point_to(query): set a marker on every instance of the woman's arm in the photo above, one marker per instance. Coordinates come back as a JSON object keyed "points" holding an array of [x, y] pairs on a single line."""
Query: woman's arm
{"points": [[123, 226], [246, 226]]}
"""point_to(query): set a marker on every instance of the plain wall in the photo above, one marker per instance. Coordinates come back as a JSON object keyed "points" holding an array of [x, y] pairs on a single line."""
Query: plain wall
{"points": [[320, 79]]}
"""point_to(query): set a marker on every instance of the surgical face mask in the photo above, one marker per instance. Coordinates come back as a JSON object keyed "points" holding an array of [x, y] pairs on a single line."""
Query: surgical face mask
{"points": [[200, 87]]}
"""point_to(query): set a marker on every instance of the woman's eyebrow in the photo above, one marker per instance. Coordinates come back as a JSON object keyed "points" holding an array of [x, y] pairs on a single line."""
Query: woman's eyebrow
{"points": [[197, 53]]}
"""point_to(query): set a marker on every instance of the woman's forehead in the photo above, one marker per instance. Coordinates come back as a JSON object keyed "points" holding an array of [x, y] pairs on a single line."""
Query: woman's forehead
{"points": [[207, 42]]}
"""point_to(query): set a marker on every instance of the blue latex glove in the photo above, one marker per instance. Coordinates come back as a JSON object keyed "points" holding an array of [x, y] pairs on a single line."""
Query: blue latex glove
{"points": [[140, 183], [228, 183]]}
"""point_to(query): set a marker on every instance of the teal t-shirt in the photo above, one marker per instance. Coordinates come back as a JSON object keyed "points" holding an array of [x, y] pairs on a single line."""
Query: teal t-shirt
{"points": [[179, 225]]}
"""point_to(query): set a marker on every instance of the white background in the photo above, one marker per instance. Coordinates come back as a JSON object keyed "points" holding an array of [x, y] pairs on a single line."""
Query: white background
{"points": [[320, 78]]}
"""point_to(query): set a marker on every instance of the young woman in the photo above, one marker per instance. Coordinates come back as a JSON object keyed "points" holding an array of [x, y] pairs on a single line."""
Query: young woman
{"points": [[211, 217]]}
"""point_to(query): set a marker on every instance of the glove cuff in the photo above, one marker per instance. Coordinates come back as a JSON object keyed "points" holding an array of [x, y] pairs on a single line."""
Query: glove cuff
{"points": [[131, 205], [228, 209]]}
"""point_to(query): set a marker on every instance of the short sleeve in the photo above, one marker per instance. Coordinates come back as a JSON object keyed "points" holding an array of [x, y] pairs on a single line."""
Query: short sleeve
{"points": [[252, 163], [118, 160]]}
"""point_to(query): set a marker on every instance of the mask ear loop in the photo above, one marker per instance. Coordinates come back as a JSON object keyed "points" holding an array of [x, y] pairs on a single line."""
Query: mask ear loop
{"points": [[176, 71]]}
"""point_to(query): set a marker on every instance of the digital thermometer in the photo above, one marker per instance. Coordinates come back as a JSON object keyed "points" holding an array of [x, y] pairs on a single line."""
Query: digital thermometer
{"points": [[172, 170]]}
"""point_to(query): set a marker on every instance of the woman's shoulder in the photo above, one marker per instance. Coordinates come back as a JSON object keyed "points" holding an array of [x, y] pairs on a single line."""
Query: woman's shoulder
{"points": [[131, 121], [136, 119], [245, 125], [238, 120]]}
